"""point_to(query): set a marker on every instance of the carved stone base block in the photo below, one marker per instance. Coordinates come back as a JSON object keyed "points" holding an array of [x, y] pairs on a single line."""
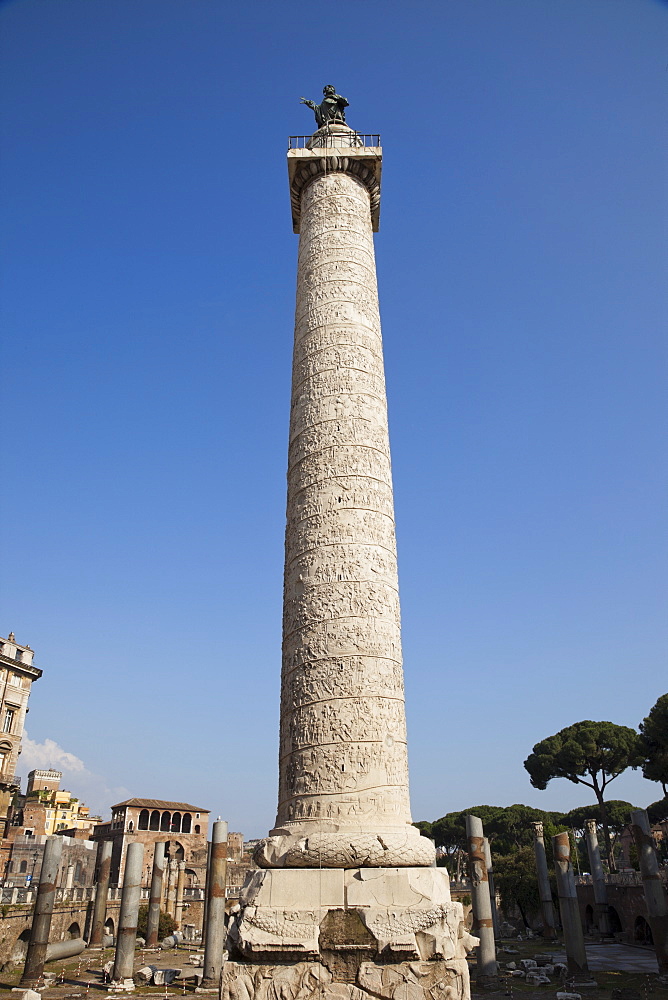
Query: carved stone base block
{"points": [[347, 933], [437, 980]]}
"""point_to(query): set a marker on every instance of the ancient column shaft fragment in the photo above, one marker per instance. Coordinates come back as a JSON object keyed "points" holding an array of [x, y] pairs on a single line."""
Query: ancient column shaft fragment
{"points": [[598, 877], [155, 897], [101, 895], [483, 924], [127, 919], [655, 895], [343, 771], [41, 921], [576, 956], [544, 889]]}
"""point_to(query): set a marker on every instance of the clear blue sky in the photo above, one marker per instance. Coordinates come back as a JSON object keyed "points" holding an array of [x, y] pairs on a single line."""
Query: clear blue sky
{"points": [[148, 293]]}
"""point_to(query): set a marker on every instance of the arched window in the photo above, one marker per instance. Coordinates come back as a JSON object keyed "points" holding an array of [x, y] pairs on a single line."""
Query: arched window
{"points": [[197, 830], [131, 826], [164, 822], [185, 823], [155, 820], [176, 823], [143, 820]]}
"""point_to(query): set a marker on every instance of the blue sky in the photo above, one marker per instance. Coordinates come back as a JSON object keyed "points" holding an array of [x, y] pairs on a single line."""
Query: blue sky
{"points": [[147, 299]]}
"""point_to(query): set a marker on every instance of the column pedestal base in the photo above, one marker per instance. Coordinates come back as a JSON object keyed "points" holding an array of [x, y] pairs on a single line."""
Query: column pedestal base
{"points": [[347, 934]]}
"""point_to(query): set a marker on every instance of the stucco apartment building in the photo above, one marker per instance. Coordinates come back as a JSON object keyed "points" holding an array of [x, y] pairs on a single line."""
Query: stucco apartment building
{"points": [[183, 827], [17, 674]]}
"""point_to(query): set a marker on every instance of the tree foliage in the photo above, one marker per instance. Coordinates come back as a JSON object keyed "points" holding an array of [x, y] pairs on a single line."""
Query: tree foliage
{"points": [[515, 878], [166, 924], [618, 812], [654, 743], [657, 812], [587, 753]]}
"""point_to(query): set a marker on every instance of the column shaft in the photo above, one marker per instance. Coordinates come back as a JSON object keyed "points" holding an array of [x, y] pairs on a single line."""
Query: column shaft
{"points": [[101, 894], [483, 925], [576, 956], [127, 921], [155, 897], [215, 920], [544, 888], [180, 884], [343, 774], [655, 894], [41, 922], [598, 878]]}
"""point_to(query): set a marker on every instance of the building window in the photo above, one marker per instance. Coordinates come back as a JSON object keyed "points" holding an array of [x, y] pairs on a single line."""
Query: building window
{"points": [[8, 721], [23, 867], [3, 760]]}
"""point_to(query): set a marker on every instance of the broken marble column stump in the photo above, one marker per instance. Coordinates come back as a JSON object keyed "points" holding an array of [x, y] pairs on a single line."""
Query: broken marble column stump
{"points": [[381, 930]]}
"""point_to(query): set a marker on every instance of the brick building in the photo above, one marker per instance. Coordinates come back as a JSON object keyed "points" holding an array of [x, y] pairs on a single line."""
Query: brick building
{"points": [[17, 674], [183, 827]]}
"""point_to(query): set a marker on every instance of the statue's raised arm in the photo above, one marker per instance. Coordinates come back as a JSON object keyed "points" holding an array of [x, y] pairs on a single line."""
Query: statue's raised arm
{"points": [[332, 108]]}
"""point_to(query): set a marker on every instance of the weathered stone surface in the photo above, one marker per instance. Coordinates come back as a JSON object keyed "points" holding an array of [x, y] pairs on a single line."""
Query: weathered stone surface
{"points": [[314, 981], [405, 912]]}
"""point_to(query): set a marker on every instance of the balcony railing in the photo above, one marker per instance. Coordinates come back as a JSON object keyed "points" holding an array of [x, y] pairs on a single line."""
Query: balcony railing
{"points": [[334, 140]]}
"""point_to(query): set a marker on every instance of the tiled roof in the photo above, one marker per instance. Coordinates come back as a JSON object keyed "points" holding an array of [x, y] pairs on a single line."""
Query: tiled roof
{"points": [[160, 804]]}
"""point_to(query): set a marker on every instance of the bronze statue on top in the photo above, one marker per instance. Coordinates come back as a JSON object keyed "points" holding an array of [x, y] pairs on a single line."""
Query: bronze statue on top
{"points": [[332, 108]]}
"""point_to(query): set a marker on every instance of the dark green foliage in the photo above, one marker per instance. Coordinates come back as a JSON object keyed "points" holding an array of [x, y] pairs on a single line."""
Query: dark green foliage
{"points": [[166, 924], [587, 753], [658, 811], [619, 815], [654, 743], [515, 878]]}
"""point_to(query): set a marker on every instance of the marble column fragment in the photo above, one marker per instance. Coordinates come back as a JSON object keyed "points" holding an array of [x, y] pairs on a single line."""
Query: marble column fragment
{"points": [[172, 875], [180, 885], [41, 921], [205, 906], [655, 894], [127, 920], [483, 925], [155, 897], [215, 919], [544, 888], [576, 956], [101, 895], [492, 888], [598, 878]]}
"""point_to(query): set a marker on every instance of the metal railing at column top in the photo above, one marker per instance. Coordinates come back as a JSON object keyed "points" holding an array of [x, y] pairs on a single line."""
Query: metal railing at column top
{"points": [[357, 139]]}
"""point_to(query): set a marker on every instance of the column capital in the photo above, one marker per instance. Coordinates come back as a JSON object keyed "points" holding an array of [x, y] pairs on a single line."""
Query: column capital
{"points": [[331, 150]]}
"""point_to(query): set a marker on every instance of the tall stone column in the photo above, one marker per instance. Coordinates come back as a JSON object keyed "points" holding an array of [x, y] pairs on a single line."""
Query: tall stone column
{"points": [[41, 921], [576, 956], [345, 877], [655, 894], [544, 889], [483, 924], [155, 896], [492, 887], [172, 870], [101, 895], [343, 772], [598, 878], [180, 884], [215, 920], [127, 920]]}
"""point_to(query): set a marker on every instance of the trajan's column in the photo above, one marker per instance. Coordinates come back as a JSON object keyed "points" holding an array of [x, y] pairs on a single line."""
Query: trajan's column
{"points": [[347, 893]]}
